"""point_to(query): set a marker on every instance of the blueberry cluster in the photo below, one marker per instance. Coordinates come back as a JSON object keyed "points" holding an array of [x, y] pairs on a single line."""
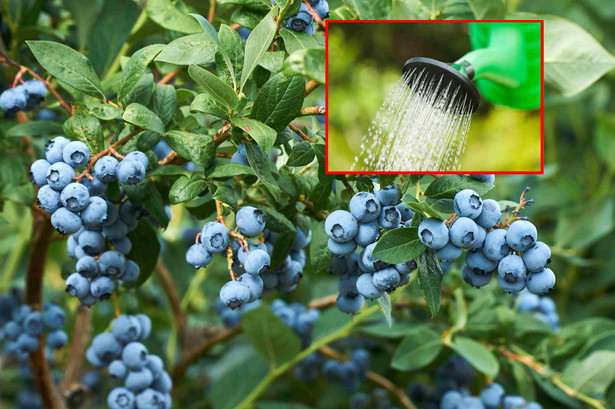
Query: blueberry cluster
{"points": [[146, 383], [22, 326], [349, 374], [232, 317], [24, 97], [364, 276], [299, 318], [377, 398], [511, 249], [543, 307], [304, 20], [491, 397]]}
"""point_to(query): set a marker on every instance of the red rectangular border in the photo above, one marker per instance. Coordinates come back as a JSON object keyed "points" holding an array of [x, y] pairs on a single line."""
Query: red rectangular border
{"points": [[542, 95]]}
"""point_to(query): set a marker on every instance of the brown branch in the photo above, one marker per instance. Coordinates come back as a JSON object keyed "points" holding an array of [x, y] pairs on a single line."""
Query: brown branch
{"points": [[198, 352], [223, 134], [212, 11], [324, 302], [171, 292], [301, 133], [169, 76], [349, 188], [235, 26], [317, 110], [79, 344], [311, 86], [314, 14], [378, 379], [224, 155], [168, 159]]}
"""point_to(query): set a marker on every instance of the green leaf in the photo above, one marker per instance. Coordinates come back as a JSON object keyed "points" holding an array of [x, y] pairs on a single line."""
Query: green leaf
{"points": [[279, 101], [229, 170], [384, 303], [170, 170], [301, 155], [141, 116], [417, 350], [273, 339], [206, 104], [481, 358], [425, 209], [430, 280], [596, 373], [382, 330], [142, 91], [198, 148], [282, 246], [573, 59], [247, 17], [226, 195], [320, 255], [85, 128], [260, 166], [525, 386], [488, 9], [214, 86], [164, 103], [185, 189], [154, 205], [254, 4], [207, 27], [231, 51], [35, 128], [399, 245], [257, 44], [448, 186], [307, 62], [68, 66], [277, 222], [163, 13], [106, 112], [136, 67], [84, 12], [297, 40], [582, 226], [261, 133], [192, 49], [372, 9], [272, 61], [145, 249]]}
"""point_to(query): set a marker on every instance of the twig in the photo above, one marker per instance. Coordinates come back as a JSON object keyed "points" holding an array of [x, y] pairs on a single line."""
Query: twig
{"points": [[315, 14], [311, 86], [301, 133], [169, 76], [224, 155], [317, 110], [171, 293], [322, 214], [324, 302], [235, 26], [349, 188], [116, 304], [79, 342], [168, 159], [223, 134], [378, 379], [212, 11]]}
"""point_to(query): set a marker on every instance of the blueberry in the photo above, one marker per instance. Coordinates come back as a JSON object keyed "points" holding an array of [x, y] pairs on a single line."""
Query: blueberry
{"points": [[433, 233], [492, 395], [480, 239], [490, 214], [46, 115], [138, 379], [350, 303], [301, 241], [450, 252], [135, 356], [123, 245], [463, 232], [112, 264], [390, 217], [533, 405], [406, 213], [111, 216], [387, 279], [341, 226], [102, 287], [54, 317], [541, 282], [250, 220], [347, 283], [106, 347], [48, 199], [370, 262], [215, 237], [468, 203], [92, 242], [146, 325], [130, 213], [257, 261], [116, 230], [59, 175], [521, 235], [38, 172], [322, 8], [130, 172], [451, 400], [475, 279], [270, 279], [388, 195], [365, 286], [240, 156], [155, 365], [300, 21], [510, 284], [513, 402], [36, 90], [365, 207], [472, 402], [95, 211], [117, 369], [406, 268], [477, 261], [537, 257], [163, 383], [198, 256], [138, 156], [76, 154], [151, 399], [234, 294], [362, 358], [57, 339], [495, 247], [487, 178], [75, 197], [96, 187], [27, 343], [511, 268], [131, 274], [528, 301], [33, 323], [12, 330], [88, 300], [92, 358], [77, 285], [13, 99], [105, 169], [54, 148], [547, 305], [254, 284], [291, 275], [341, 248]]}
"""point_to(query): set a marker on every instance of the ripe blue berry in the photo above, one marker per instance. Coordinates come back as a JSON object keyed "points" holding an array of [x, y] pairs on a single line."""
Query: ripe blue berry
{"points": [[77, 285], [492, 395], [388, 195], [13, 99], [387, 279], [54, 317], [406, 268], [365, 287], [475, 279], [513, 402], [198, 256], [151, 399], [537, 257], [510, 284], [250, 220], [365, 207], [59, 175], [48, 199], [480, 239], [123, 245], [95, 212], [130, 172], [511, 268], [257, 261], [140, 157], [301, 241], [302, 20], [322, 8], [105, 169], [27, 343], [477, 261], [115, 230], [138, 379], [234, 294], [450, 252], [131, 274], [163, 383], [463, 232], [490, 214], [487, 178], [370, 262], [76, 154], [36, 90], [57, 339], [54, 148], [117, 369], [215, 237], [92, 242], [75, 197], [96, 187], [433, 233], [33, 323], [521, 235], [101, 287], [495, 247], [341, 226], [112, 264], [146, 325], [155, 364], [405, 211], [350, 303], [451, 400], [38, 172], [240, 156], [468, 203], [106, 347], [533, 405], [390, 217], [541, 282], [254, 284], [367, 233], [135, 355], [12, 330], [341, 249]]}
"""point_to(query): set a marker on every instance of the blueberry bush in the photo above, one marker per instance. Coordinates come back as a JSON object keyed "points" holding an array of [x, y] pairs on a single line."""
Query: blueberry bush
{"points": [[170, 236]]}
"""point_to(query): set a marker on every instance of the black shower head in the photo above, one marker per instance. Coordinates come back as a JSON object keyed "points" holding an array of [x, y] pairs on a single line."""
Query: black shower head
{"points": [[448, 74]]}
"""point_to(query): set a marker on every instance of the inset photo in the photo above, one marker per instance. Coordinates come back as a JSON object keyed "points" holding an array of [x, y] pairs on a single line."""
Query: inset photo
{"points": [[418, 96]]}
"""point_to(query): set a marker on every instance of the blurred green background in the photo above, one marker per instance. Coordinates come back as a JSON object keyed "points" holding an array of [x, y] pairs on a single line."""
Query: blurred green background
{"points": [[365, 61]]}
